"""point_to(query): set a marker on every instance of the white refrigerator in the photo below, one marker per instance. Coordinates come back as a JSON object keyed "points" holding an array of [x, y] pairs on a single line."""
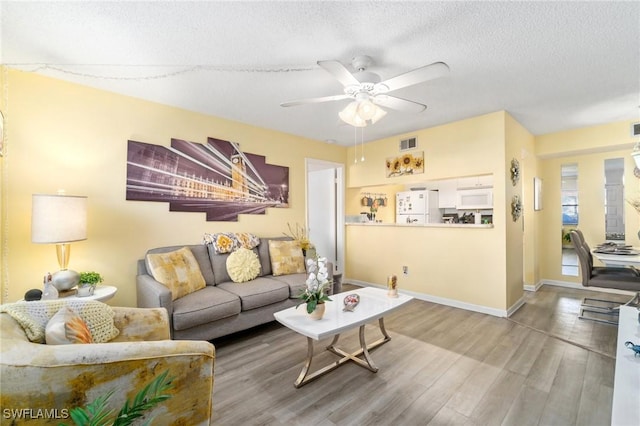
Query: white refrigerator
{"points": [[417, 207]]}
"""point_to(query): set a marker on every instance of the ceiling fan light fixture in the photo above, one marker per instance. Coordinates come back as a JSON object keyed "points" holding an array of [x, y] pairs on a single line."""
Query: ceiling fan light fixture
{"points": [[350, 115], [367, 109], [358, 112], [378, 115]]}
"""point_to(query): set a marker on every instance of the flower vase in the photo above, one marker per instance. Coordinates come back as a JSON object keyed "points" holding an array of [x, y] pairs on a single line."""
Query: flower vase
{"points": [[318, 312]]}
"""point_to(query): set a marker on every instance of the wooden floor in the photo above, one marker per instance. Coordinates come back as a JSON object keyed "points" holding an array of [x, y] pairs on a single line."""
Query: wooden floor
{"points": [[443, 366]]}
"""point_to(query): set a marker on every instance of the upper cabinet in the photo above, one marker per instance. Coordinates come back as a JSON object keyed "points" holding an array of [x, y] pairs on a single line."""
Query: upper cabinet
{"points": [[448, 188], [473, 182], [447, 193]]}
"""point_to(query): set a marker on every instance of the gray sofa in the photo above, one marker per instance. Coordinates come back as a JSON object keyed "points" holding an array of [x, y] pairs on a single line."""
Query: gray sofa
{"points": [[222, 307]]}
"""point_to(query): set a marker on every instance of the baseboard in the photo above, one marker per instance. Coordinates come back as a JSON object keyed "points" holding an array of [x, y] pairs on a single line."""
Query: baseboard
{"points": [[485, 309], [533, 287], [440, 300], [513, 308], [577, 286]]}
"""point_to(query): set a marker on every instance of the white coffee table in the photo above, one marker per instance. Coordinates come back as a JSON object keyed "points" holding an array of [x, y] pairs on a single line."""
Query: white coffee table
{"points": [[374, 305]]}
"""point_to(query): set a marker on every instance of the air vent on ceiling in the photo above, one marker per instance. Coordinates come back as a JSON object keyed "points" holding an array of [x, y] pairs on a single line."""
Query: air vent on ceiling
{"points": [[410, 143], [635, 129]]}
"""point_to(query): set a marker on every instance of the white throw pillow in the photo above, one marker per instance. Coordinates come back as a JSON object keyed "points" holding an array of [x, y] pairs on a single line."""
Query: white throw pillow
{"points": [[243, 265]]}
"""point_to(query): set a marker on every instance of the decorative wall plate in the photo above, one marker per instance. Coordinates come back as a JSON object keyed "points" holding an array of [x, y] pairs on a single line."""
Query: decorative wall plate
{"points": [[515, 171], [516, 208]]}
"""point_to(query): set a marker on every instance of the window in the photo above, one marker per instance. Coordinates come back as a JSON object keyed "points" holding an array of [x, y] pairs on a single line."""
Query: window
{"points": [[569, 190]]}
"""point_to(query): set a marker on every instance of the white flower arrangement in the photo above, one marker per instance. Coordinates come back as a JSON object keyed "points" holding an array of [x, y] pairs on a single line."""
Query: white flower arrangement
{"points": [[317, 284]]}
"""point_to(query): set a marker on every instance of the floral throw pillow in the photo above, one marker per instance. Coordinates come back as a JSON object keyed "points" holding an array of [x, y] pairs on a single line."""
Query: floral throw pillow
{"points": [[247, 240], [227, 242], [222, 242]]}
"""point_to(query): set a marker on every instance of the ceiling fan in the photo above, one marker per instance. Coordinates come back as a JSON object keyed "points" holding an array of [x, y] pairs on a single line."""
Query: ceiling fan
{"points": [[368, 90]]}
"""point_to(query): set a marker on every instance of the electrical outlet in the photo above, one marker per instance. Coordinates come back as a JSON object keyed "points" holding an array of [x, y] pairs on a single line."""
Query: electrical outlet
{"points": [[405, 270]]}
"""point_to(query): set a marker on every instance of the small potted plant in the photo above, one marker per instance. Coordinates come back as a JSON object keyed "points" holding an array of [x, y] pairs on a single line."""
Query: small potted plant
{"points": [[88, 282]]}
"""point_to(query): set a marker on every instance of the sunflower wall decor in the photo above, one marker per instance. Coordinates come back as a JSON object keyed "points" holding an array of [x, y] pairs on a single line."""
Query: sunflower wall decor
{"points": [[406, 164]]}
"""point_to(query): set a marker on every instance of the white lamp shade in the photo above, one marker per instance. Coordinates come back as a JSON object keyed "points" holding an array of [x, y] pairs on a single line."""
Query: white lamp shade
{"points": [[58, 219], [350, 115], [366, 109], [378, 115]]}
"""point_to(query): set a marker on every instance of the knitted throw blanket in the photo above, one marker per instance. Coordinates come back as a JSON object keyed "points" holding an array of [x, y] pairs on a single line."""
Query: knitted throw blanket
{"points": [[34, 316]]}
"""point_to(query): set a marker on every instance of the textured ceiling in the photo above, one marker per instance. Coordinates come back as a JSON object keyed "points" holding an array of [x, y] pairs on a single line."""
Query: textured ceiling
{"points": [[552, 65]]}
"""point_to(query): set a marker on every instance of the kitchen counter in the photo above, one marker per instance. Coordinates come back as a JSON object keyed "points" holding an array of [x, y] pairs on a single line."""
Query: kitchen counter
{"points": [[424, 225]]}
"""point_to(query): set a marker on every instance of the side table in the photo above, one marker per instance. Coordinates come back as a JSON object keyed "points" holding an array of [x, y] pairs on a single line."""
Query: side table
{"points": [[101, 293]]}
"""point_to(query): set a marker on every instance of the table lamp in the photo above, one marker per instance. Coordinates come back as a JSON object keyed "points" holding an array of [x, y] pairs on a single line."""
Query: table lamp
{"points": [[59, 220]]}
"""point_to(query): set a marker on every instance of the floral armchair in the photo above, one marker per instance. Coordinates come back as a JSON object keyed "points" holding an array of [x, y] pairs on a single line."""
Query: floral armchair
{"points": [[42, 383]]}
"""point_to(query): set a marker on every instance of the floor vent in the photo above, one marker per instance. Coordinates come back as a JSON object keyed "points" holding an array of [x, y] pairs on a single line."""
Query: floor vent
{"points": [[407, 144], [635, 129]]}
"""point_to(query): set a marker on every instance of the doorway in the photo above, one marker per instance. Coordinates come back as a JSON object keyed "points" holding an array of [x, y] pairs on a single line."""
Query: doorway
{"points": [[325, 210]]}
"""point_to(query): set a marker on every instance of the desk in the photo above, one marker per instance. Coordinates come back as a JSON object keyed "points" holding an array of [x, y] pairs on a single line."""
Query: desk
{"points": [[625, 409], [619, 260]]}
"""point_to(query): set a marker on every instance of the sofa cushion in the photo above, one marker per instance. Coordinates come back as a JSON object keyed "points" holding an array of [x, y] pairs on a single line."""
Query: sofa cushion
{"points": [[296, 283], [219, 264], [177, 270], [207, 305], [200, 252], [286, 257], [263, 253], [259, 292], [243, 265]]}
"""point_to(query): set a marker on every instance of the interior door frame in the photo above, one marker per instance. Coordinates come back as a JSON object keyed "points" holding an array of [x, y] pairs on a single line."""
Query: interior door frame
{"points": [[311, 165]]}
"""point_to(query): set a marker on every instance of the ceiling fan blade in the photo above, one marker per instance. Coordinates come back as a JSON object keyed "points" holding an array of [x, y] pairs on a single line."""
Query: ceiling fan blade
{"points": [[418, 75], [340, 72], [398, 104], [314, 100]]}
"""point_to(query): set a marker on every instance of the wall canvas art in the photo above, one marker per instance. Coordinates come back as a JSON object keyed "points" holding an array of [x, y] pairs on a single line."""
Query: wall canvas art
{"points": [[406, 164], [216, 178]]}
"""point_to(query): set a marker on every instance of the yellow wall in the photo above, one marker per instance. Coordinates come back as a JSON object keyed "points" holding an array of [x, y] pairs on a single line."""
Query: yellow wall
{"points": [[466, 265], [518, 146], [462, 148], [590, 195], [71, 137]]}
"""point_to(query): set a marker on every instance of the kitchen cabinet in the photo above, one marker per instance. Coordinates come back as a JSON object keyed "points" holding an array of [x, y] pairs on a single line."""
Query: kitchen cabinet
{"points": [[447, 193], [484, 181]]}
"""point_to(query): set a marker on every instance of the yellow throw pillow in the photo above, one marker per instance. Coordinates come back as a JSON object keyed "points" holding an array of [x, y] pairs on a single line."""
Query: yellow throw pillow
{"points": [[286, 257], [177, 270], [243, 265], [67, 327]]}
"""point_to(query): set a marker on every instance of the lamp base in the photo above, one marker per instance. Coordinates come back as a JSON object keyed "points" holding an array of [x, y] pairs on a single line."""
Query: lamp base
{"points": [[65, 279]]}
